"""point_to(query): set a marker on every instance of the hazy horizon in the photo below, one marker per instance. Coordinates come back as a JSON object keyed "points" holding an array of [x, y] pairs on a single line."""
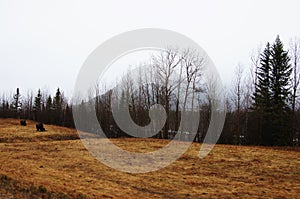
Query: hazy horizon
{"points": [[44, 44]]}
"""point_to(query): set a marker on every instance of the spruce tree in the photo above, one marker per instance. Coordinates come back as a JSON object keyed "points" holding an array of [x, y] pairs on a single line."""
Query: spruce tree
{"points": [[281, 70], [57, 107], [37, 106], [271, 96], [262, 99]]}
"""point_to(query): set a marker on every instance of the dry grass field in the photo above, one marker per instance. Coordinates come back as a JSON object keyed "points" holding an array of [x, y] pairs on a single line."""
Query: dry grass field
{"points": [[55, 164]]}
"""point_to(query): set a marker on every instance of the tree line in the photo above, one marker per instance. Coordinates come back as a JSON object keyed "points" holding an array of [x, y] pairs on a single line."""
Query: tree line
{"points": [[265, 103], [41, 108], [262, 103]]}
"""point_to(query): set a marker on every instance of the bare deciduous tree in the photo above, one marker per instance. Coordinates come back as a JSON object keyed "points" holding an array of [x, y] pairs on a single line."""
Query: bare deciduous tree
{"points": [[165, 65], [238, 99], [255, 62], [295, 58]]}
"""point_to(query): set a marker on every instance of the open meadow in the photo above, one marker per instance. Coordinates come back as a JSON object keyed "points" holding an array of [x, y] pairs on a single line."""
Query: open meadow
{"points": [[55, 164]]}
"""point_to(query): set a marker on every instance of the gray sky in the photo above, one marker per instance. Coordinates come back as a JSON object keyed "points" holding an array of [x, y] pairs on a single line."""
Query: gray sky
{"points": [[44, 43]]}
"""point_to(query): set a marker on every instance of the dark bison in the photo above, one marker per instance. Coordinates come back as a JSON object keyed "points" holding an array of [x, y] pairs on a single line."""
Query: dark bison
{"points": [[23, 122], [40, 127]]}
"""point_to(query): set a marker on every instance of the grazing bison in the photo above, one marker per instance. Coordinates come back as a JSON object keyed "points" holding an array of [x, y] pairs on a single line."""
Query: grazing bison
{"points": [[40, 126], [23, 122]]}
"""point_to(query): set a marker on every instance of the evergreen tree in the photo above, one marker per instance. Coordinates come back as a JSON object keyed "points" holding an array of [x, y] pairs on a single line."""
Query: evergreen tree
{"points": [[262, 87], [68, 117], [37, 106], [281, 92], [48, 115], [272, 91], [57, 107], [262, 99]]}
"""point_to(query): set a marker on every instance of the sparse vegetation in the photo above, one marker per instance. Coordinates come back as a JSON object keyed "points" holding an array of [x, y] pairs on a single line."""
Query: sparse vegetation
{"points": [[11, 188], [33, 165]]}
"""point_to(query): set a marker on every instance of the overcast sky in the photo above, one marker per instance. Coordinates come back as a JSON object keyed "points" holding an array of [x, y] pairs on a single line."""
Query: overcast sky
{"points": [[44, 43]]}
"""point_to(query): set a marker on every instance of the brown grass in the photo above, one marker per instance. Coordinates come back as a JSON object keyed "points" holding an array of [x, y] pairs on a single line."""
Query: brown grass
{"points": [[54, 164]]}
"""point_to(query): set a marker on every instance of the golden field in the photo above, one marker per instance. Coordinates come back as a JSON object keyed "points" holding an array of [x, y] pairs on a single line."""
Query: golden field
{"points": [[55, 164]]}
